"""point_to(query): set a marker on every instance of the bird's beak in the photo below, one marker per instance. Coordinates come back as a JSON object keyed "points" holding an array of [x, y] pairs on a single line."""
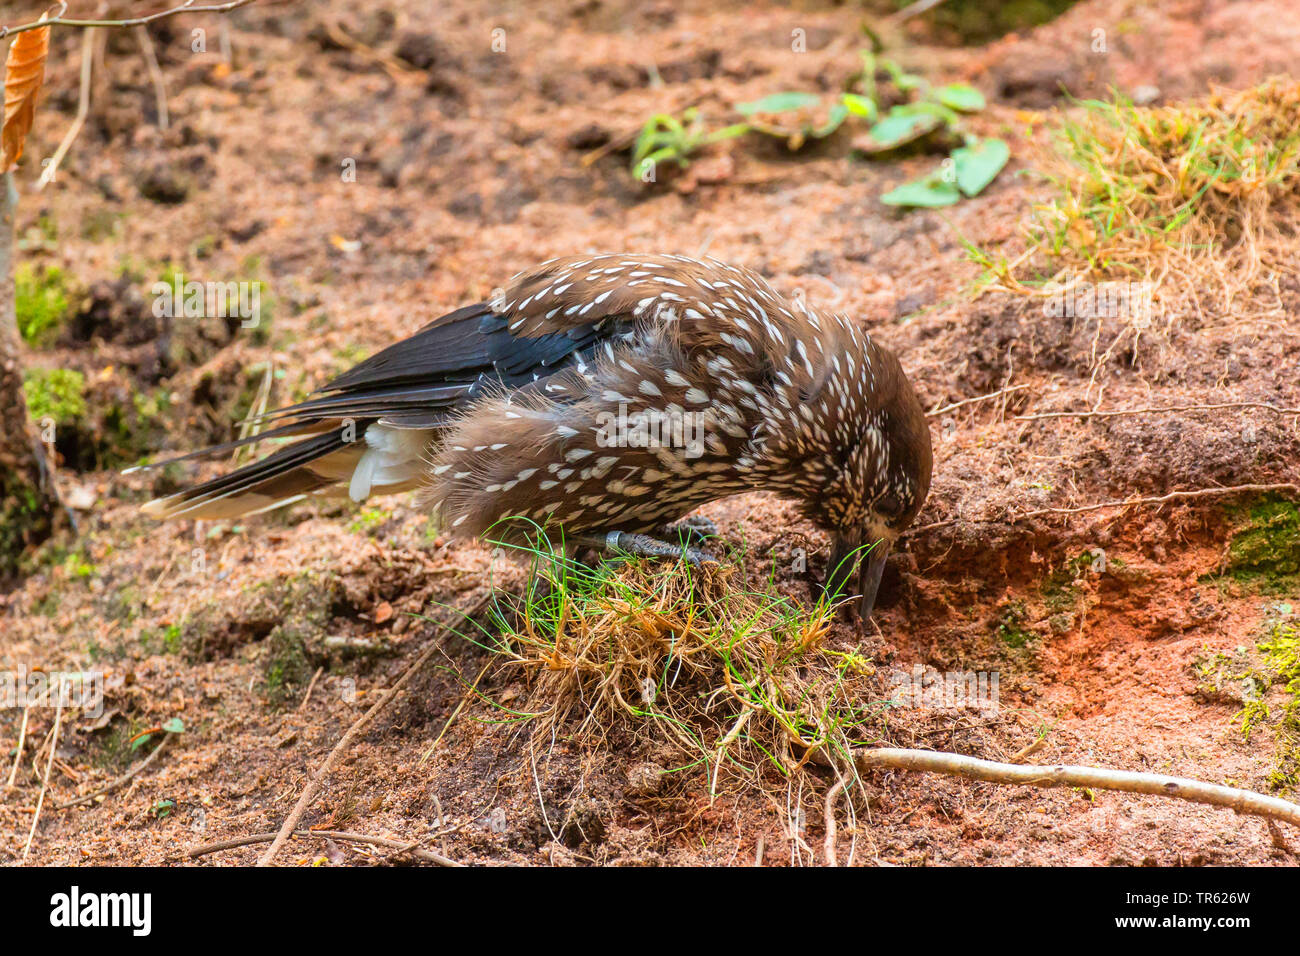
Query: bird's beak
{"points": [[848, 556]]}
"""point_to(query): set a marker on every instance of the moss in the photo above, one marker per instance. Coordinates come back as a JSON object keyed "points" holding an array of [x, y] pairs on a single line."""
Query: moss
{"points": [[285, 667], [55, 393], [41, 303], [1011, 629], [1269, 544], [368, 519], [1279, 649], [162, 640]]}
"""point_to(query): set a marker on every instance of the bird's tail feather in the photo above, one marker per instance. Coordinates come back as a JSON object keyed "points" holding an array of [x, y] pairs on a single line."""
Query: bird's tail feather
{"points": [[386, 460]]}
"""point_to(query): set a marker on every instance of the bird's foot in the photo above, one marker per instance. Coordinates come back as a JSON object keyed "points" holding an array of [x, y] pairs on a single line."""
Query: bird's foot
{"points": [[646, 546], [691, 530]]}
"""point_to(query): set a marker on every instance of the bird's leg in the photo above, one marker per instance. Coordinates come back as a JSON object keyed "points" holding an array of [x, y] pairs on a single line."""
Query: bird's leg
{"points": [[644, 545], [693, 529]]}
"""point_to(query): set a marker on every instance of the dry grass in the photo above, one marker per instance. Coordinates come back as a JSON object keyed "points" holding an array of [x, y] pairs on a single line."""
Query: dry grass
{"points": [[1164, 214], [713, 661]]}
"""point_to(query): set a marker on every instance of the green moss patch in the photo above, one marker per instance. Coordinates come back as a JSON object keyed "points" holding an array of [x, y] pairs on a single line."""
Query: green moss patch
{"points": [[1279, 667], [42, 300], [1270, 544], [58, 394]]}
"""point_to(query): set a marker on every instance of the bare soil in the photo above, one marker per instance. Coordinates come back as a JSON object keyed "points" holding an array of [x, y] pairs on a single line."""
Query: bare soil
{"points": [[469, 167]]}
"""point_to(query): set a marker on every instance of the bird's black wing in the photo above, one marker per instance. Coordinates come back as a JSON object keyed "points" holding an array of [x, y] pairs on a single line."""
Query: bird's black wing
{"points": [[424, 380]]}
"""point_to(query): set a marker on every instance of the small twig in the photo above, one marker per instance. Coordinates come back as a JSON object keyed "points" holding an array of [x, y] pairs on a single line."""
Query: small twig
{"points": [[418, 852], [915, 10], [88, 41], [455, 713], [315, 780], [49, 764], [1162, 499], [125, 778], [1062, 775], [155, 74], [397, 69], [18, 753], [61, 21], [1165, 410], [971, 401], [1024, 753], [310, 687], [831, 795]]}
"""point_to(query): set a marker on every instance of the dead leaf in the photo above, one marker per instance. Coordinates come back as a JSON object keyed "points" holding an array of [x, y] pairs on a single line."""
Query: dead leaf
{"points": [[383, 612], [24, 72]]}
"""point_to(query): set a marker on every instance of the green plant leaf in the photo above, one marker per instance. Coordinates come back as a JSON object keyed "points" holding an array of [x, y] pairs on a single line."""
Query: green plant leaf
{"points": [[931, 191], [839, 113], [779, 103], [903, 125], [902, 79], [861, 106], [961, 96], [174, 726], [727, 132], [978, 164]]}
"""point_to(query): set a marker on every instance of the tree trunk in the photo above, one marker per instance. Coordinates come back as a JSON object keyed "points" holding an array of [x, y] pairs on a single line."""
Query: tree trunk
{"points": [[29, 506]]}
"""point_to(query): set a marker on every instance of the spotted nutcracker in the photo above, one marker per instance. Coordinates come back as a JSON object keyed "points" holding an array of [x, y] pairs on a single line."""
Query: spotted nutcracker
{"points": [[604, 396]]}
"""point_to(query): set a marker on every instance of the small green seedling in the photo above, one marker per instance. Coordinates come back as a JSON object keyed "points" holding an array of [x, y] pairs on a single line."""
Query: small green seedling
{"points": [[668, 139], [173, 726]]}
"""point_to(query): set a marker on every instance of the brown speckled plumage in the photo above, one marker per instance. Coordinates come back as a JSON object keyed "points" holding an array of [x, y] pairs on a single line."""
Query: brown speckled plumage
{"points": [[538, 402]]}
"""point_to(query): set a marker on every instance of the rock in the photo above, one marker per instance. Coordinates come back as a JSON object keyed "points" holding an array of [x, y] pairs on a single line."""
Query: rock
{"points": [[645, 780]]}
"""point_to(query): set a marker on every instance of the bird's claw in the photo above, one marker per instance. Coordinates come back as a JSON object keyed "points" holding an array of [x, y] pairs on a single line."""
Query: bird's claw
{"points": [[693, 530], [647, 546]]}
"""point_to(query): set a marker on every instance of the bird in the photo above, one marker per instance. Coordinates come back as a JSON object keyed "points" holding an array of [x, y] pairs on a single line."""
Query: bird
{"points": [[605, 396]]}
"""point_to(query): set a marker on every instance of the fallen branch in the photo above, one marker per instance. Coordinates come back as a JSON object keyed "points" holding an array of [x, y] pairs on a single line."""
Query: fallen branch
{"points": [[318, 778], [125, 778], [1063, 775], [829, 841], [416, 851]]}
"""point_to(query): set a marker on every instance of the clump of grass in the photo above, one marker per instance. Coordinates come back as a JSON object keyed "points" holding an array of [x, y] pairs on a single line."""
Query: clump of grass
{"points": [[1191, 198], [1134, 180], [41, 302], [56, 393], [731, 674]]}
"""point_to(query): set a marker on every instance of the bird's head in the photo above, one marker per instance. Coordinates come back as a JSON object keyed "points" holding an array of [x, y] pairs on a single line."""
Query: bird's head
{"points": [[881, 482]]}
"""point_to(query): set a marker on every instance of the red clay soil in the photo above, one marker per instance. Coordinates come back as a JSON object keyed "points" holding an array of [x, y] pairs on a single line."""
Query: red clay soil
{"points": [[469, 167]]}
